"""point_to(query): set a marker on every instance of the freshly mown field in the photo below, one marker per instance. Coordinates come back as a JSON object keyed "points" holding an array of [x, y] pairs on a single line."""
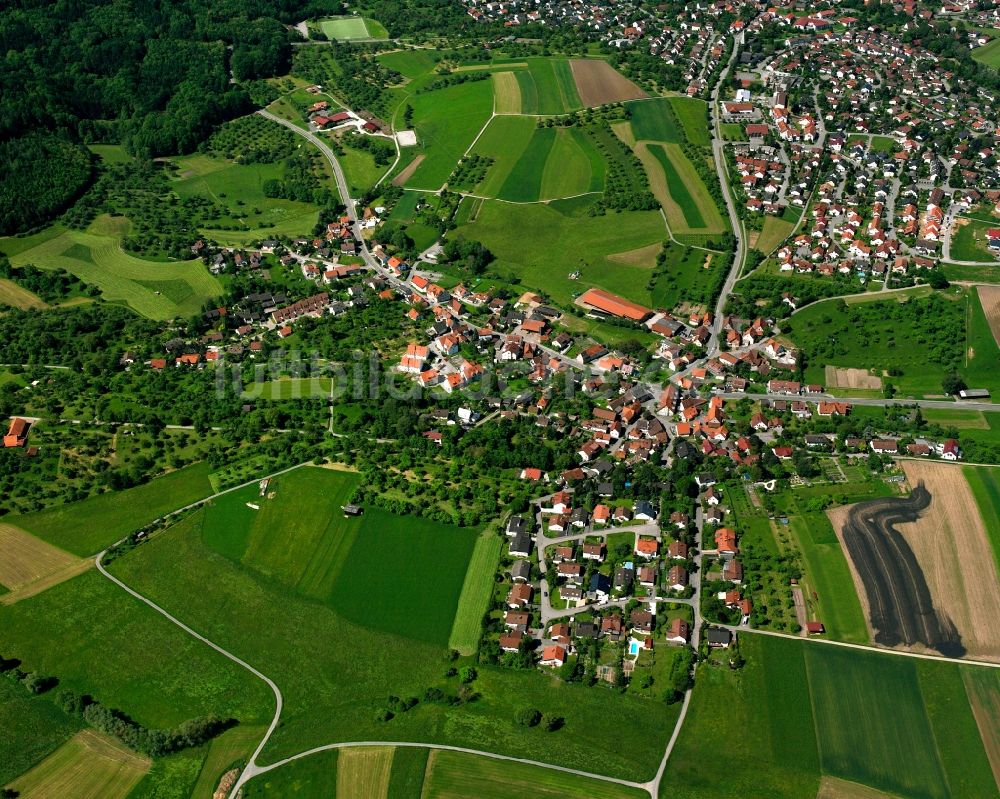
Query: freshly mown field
{"points": [[561, 244], [87, 527], [692, 114], [598, 83], [158, 290], [240, 188], [507, 93], [98, 640], [287, 388], [335, 675], [456, 775], [447, 121], [364, 772], [349, 28], [29, 565], [774, 232], [89, 766], [477, 588], [809, 710], [16, 297], [33, 727]]}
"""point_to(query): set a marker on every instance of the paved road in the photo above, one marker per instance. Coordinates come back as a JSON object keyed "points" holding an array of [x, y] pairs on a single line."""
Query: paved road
{"points": [[718, 153], [967, 405]]}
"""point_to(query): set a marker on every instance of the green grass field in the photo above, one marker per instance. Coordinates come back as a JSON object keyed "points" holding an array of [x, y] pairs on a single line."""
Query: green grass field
{"points": [[345, 29], [655, 120], [985, 484], [408, 63], [969, 242], [692, 114], [408, 767], [988, 54], [232, 746], [91, 765], [476, 591], [864, 333], [547, 87], [100, 641], [686, 276], [86, 527], [680, 188], [33, 728], [533, 164], [447, 121], [157, 290], [774, 232], [809, 710], [452, 775], [290, 388], [334, 674], [313, 776], [529, 240], [230, 184]]}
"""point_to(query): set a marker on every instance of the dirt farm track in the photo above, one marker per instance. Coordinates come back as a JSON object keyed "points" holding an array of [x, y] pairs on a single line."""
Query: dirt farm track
{"points": [[923, 567]]}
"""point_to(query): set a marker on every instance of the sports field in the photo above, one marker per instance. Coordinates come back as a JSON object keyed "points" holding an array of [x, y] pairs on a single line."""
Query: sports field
{"points": [[543, 246], [345, 29], [447, 121], [158, 290], [87, 527], [239, 188], [810, 710], [456, 775], [533, 163], [89, 766]]}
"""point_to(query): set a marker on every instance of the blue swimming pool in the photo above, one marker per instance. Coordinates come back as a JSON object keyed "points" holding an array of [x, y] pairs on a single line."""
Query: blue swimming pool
{"points": [[633, 647]]}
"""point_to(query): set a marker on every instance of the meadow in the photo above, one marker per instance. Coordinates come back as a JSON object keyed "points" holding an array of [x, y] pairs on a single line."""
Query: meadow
{"points": [[86, 527], [447, 121], [408, 63], [455, 775], [155, 289], [969, 241], [540, 247], [988, 54], [655, 120], [307, 778], [809, 710], [692, 114], [547, 87], [475, 596], [98, 640], [531, 163], [336, 674], [865, 334], [687, 274], [234, 745], [33, 728], [827, 583], [239, 188], [772, 234]]}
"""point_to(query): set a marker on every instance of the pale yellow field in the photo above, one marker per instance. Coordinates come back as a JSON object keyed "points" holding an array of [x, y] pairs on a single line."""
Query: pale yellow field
{"points": [[641, 256], [841, 377], [90, 765], [13, 295], [623, 130], [952, 547], [29, 565], [363, 772], [833, 788], [507, 93]]}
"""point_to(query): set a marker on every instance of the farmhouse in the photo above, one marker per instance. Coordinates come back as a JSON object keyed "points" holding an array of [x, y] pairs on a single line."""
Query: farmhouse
{"points": [[17, 433], [609, 304]]}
